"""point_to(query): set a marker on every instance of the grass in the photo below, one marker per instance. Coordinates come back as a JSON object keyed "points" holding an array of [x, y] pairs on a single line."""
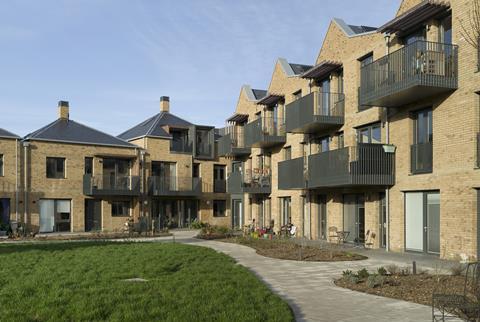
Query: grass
{"points": [[85, 281]]}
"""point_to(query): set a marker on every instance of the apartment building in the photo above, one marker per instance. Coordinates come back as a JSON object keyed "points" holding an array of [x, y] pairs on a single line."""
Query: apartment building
{"points": [[9, 166], [370, 140], [186, 180]]}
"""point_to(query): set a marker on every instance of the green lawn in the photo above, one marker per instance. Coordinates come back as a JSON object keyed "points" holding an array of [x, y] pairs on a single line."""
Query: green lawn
{"points": [[85, 282]]}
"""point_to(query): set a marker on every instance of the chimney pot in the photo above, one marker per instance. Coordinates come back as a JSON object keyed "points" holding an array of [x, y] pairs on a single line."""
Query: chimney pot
{"points": [[63, 110], [164, 104]]}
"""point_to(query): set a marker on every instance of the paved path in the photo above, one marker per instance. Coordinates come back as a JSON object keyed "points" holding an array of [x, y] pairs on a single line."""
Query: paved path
{"points": [[308, 287]]}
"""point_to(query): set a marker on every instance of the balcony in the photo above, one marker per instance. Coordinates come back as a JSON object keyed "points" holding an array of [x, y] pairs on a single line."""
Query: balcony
{"points": [[420, 70], [265, 132], [181, 146], [362, 165], [220, 186], [253, 184], [111, 185], [291, 174], [421, 158], [232, 145], [315, 112], [175, 186]]}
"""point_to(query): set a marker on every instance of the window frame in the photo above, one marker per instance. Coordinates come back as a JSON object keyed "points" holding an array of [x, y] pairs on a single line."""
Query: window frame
{"points": [[369, 128], [118, 202], [287, 153], [2, 165], [219, 212], [55, 175], [90, 160]]}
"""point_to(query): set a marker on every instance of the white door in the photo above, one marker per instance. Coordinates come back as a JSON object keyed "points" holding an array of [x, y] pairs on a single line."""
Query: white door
{"points": [[47, 215], [414, 228]]}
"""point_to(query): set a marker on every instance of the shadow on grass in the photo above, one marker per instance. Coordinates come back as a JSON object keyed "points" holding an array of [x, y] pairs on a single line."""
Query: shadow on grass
{"points": [[53, 246]]}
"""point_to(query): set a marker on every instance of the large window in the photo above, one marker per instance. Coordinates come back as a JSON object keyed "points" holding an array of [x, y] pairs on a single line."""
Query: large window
{"points": [[56, 168], [54, 215], [323, 144], [120, 208], [1, 166], [88, 165], [219, 207], [370, 134], [422, 152]]}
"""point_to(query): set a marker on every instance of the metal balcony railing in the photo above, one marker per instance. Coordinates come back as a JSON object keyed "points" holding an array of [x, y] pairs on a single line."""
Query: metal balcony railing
{"points": [[174, 186], [233, 142], [111, 185], [265, 132], [314, 112], [220, 186], [421, 157], [251, 182], [361, 165], [416, 71], [292, 174], [180, 146]]}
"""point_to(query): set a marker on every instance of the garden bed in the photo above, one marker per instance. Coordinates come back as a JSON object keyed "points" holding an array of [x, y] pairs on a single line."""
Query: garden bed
{"points": [[402, 284], [288, 249]]}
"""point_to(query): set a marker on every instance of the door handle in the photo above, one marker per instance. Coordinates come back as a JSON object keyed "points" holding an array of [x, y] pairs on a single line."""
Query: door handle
{"points": [[425, 229]]}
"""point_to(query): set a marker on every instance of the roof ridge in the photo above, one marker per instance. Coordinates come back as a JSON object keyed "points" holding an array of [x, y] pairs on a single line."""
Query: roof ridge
{"points": [[154, 124]]}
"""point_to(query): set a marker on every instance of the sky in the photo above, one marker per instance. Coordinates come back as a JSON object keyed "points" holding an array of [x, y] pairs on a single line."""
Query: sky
{"points": [[113, 59]]}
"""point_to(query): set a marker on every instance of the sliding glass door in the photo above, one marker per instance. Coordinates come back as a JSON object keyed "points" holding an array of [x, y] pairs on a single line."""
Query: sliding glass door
{"points": [[54, 215]]}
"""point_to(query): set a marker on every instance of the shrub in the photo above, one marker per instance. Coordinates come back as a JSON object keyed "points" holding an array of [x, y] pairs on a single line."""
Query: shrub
{"points": [[347, 273], [393, 269], [214, 232], [363, 273], [457, 269], [197, 225], [375, 280], [382, 271], [353, 279]]}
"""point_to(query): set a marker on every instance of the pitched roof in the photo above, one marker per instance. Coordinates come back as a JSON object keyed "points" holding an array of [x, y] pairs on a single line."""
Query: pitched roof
{"points": [[299, 68], [259, 93], [7, 134], [152, 127], [361, 29], [68, 131], [353, 30]]}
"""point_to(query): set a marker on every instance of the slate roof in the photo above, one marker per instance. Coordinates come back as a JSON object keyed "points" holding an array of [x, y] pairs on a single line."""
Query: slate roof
{"points": [[68, 131], [361, 29], [299, 68], [8, 135], [259, 93], [152, 127]]}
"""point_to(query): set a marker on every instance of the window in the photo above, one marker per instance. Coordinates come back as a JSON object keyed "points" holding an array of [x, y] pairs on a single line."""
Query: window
{"points": [[56, 168], [421, 150], [180, 141], [446, 30], [414, 36], [120, 208], [370, 134], [287, 153], [1, 166], [297, 95], [219, 207], [323, 143], [341, 140], [54, 215], [196, 170], [88, 165], [340, 82], [365, 60]]}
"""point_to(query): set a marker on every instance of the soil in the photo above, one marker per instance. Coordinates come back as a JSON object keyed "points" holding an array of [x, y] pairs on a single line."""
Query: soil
{"points": [[413, 288], [284, 249]]}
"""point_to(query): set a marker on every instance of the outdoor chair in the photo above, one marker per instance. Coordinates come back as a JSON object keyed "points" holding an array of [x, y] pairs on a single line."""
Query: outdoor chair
{"points": [[370, 239], [333, 234], [466, 305]]}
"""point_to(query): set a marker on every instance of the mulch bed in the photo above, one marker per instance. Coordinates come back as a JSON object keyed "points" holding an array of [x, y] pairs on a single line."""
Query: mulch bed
{"points": [[284, 249], [413, 288]]}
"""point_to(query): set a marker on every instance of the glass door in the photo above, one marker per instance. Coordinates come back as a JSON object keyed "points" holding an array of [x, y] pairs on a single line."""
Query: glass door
{"points": [[322, 217], [354, 218], [286, 210], [237, 214], [325, 90], [383, 221]]}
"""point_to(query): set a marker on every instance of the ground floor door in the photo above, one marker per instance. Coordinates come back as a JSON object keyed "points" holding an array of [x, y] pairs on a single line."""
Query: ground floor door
{"points": [[321, 201], [4, 211], [174, 213], [286, 210], [93, 215], [354, 217], [307, 228], [237, 213], [55, 215], [382, 221], [261, 214], [422, 222]]}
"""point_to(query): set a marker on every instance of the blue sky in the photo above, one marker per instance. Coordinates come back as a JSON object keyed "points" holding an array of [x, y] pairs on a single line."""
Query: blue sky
{"points": [[113, 59]]}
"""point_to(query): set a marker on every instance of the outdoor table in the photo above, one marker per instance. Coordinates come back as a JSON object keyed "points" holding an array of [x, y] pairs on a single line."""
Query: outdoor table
{"points": [[342, 235]]}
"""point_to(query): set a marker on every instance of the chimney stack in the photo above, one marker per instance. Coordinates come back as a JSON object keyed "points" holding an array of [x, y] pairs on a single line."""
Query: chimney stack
{"points": [[63, 110], [165, 104]]}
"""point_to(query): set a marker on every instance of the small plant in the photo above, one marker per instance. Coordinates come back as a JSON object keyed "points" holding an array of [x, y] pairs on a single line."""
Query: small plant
{"points": [[347, 273], [375, 280], [197, 225], [393, 269], [363, 273], [406, 271], [457, 269], [353, 279], [382, 271]]}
